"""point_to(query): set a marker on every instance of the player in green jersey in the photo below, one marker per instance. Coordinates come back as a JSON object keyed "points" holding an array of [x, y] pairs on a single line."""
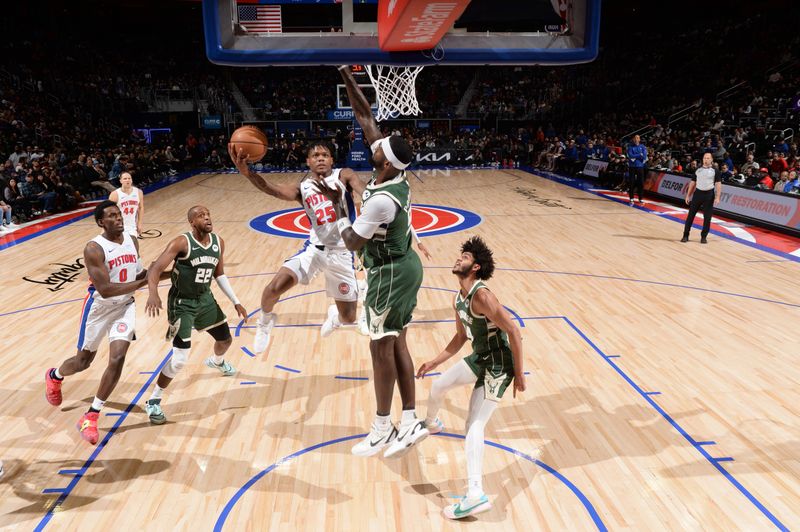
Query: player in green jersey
{"points": [[198, 257], [495, 361], [382, 235]]}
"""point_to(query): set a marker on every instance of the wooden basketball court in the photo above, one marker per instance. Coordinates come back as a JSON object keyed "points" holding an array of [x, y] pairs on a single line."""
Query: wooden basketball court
{"points": [[664, 390]]}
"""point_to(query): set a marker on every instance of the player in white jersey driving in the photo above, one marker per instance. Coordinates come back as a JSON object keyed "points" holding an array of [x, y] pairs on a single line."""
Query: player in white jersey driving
{"points": [[324, 251], [130, 201], [115, 272]]}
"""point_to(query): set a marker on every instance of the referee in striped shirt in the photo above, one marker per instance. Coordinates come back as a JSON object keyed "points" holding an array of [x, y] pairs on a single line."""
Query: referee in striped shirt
{"points": [[704, 193]]}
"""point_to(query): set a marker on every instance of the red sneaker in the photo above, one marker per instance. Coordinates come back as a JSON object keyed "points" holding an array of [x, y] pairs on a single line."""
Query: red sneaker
{"points": [[87, 426], [52, 389]]}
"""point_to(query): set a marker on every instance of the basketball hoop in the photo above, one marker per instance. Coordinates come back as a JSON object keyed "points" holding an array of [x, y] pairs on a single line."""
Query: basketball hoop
{"points": [[395, 88]]}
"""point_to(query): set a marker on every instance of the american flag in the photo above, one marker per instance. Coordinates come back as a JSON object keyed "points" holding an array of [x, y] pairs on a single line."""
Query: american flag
{"points": [[260, 19]]}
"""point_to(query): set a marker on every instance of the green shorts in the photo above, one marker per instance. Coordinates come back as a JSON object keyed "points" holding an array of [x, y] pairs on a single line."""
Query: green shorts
{"points": [[495, 371], [186, 314], [392, 295]]}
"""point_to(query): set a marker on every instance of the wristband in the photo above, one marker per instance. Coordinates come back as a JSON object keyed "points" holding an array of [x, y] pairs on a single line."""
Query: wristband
{"points": [[343, 224]]}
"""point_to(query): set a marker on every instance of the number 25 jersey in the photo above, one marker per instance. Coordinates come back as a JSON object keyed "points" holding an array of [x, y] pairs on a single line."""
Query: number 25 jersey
{"points": [[321, 215]]}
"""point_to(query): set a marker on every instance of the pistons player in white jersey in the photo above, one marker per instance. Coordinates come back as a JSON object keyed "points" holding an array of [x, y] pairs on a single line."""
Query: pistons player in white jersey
{"points": [[324, 251], [115, 272], [130, 201]]}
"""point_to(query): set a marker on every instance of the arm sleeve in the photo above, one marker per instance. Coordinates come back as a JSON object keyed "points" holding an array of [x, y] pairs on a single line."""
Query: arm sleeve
{"points": [[694, 176], [380, 209], [717, 176]]}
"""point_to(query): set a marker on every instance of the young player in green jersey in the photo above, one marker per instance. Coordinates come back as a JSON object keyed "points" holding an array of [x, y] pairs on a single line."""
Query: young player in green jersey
{"points": [[495, 362]]}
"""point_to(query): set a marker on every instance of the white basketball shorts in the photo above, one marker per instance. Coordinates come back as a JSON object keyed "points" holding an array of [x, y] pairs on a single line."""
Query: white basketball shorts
{"points": [[337, 264], [99, 319]]}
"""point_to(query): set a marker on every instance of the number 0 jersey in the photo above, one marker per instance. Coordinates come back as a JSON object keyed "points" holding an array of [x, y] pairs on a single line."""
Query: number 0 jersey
{"points": [[192, 273], [122, 262]]}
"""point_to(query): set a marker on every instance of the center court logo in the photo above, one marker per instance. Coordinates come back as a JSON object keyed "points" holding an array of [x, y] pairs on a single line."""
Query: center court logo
{"points": [[428, 220]]}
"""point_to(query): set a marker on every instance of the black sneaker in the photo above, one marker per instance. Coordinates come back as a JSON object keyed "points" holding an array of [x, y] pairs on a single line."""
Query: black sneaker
{"points": [[685, 239], [703, 240]]}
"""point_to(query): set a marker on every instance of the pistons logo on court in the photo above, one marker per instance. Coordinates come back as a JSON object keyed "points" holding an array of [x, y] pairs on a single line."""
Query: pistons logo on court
{"points": [[428, 220]]}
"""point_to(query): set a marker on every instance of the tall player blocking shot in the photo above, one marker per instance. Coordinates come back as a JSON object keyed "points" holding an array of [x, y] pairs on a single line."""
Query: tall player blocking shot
{"points": [[382, 234]]}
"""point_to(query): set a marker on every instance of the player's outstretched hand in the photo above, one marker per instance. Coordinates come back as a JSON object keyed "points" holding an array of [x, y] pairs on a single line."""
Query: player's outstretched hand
{"points": [[240, 310], [427, 367], [153, 305], [424, 251], [519, 383], [333, 194], [239, 159]]}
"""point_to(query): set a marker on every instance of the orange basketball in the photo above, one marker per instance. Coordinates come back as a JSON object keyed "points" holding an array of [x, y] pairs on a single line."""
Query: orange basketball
{"points": [[251, 141]]}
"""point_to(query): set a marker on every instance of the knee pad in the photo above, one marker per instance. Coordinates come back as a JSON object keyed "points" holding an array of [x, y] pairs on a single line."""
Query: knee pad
{"points": [[221, 332], [176, 362]]}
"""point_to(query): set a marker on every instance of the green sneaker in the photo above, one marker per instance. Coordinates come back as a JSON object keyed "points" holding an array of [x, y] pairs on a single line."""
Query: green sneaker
{"points": [[225, 368], [153, 408], [467, 507]]}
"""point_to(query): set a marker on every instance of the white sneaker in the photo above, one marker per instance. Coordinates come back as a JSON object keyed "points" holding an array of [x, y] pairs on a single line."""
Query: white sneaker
{"points": [[467, 507], [263, 331], [375, 441], [332, 323], [1, 469], [409, 435]]}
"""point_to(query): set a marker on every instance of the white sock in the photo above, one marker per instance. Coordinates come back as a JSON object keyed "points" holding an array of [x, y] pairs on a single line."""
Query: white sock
{"points": [[58, 374], [382, 422], [157, 391], [217, 359], [97, 404], [265, 317], [475, 488], [409, 416]]}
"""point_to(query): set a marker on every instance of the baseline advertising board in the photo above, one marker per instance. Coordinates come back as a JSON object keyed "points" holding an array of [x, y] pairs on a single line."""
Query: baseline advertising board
{"points": [[777, 209], [593, 167]]}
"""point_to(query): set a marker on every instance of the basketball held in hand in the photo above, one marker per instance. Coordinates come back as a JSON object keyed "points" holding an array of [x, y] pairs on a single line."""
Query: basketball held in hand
{"points": [[251, 141]]}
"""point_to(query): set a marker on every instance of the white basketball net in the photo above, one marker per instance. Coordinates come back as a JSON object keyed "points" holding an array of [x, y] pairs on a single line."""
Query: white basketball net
{"points": [[395, 88]]}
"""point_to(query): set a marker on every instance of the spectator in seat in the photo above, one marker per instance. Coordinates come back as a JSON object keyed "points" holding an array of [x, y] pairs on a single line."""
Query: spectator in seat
{"points": [[13, 197], [214, 161], [5, 217], [750, 163], [782, 181], [793, 186], [725, 173], [766, 182], [777, 165]]}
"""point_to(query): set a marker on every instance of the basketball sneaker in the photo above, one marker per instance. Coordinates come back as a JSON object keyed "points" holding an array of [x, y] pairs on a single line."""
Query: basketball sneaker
{"points": [[87, 426], [409, 434], [375, 441], [434, 427], [154, 412], [52, 389], [466, 507], [263, 330], [1, 469], [225, 368], [332, 323]]}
